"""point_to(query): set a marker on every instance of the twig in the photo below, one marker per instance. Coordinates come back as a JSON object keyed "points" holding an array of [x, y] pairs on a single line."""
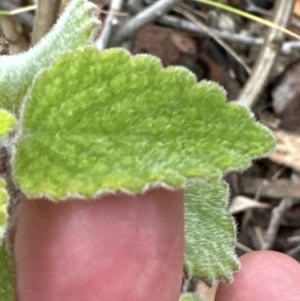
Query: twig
{"points": [[229, 50], [4, 46], [274, 39], [257, 236], [146, 16], [188, 285], [18, 10], [254, 9], [277, 214], [182, 24], [134, 7], [289, 46], [268, 188], [294, 239], [6, 174], [243, 247], [294, 251], [13, 192], [26, 18], [46, 16], [110, 25]]}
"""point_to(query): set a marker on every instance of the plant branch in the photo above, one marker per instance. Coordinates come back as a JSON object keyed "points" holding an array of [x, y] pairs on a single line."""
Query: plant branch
{"points": [[24, 17], [214, 36], [289, 46], [110, 24], [277, 214], [134, 7], [196, 30], [181, 24], [149, 14], [267, 57], [254, 9], [46, 15], [18, 10], [4, 46], [13, 193]]}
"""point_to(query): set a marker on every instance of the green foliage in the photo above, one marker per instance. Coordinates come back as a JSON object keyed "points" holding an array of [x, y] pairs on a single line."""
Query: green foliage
{"points": [[209, 232], [3, 211], [119, 122], [191, 297], [6, 275], [7, 122], [94, 121], [74, 29], [114, 121]]}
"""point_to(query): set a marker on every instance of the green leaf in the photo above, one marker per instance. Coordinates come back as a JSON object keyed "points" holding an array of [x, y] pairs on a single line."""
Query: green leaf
{"points": [[191, 297], [99, 121], [209, 232], [7, 122], [74, 29], [6, 271], [6, 275], [3, 211]]}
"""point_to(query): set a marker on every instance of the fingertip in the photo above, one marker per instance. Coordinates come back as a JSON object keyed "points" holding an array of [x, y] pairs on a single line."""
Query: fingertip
{"points": [[264, 275]]}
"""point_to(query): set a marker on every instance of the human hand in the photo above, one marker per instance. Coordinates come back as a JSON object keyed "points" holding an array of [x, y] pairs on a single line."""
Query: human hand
{"points": [[264, 275], [118, 247]]}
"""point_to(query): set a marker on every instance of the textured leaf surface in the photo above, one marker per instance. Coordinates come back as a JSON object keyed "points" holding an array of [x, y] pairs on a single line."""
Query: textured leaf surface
{"points": [[191, 297], [6, 272], [7, 122], [209, 232], [73, 29], [3, 212], [105, 121], [6, 276]]}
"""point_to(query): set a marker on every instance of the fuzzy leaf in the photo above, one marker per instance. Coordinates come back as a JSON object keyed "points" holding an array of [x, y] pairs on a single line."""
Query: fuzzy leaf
{"points": [[209, 232], [3, 211], [6, 271], [7, 122], [74, 29], [6, 275], [191, 297], [104, 121]]}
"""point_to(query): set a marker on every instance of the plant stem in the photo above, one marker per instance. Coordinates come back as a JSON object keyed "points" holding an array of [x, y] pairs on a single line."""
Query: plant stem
{"points": [[110, 24], [46, 16], [149, 14], [4, 46], [277, 215], [267, 57]]}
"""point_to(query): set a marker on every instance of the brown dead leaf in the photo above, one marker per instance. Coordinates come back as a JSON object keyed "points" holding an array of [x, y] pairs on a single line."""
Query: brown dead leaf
{"points": [[184, 43], [163, 43], [287, 151]]}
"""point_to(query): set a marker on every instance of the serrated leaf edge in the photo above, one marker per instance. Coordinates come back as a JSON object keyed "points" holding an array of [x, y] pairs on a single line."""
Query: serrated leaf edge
{"points": [[56, 42]]}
